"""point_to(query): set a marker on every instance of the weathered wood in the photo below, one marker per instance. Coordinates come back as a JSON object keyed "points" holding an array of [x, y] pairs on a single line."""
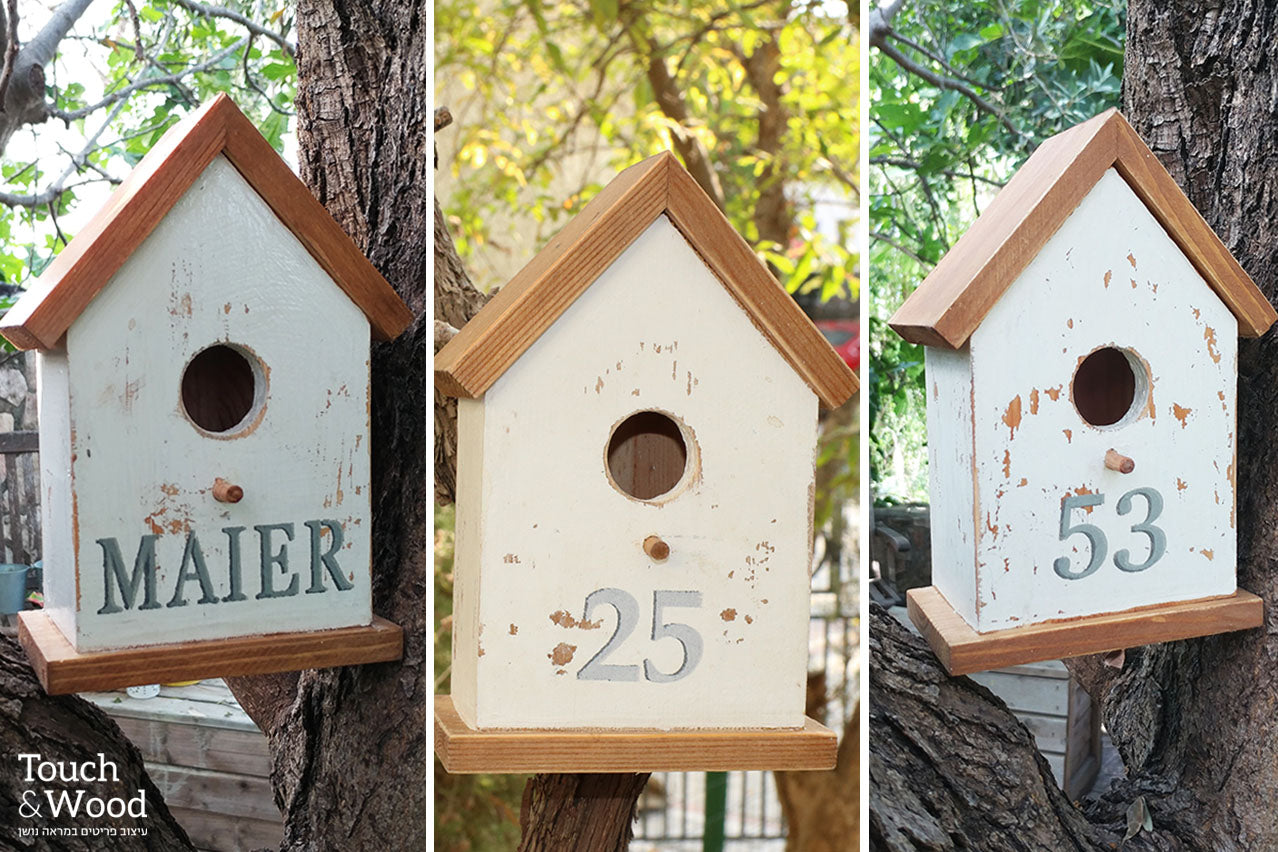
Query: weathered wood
{"points": [[25, 441], [464, 750], [528, 556], [211, 831], [62, 670], [239, 796], [962, 650]]}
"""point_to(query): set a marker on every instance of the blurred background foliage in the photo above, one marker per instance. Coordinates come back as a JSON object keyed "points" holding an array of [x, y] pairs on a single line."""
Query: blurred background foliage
{"points": [[758, 98], [960, 95]]}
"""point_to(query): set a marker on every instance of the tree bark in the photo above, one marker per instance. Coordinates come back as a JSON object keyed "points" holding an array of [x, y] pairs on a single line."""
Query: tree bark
{"points": [[348, 746], [579, 813], [1193, 721], [67, 728]]}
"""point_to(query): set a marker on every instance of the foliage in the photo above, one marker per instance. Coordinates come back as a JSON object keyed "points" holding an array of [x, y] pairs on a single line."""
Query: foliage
{"points": [[473, 813], [960, 95], [117, 83], [561, 93]]}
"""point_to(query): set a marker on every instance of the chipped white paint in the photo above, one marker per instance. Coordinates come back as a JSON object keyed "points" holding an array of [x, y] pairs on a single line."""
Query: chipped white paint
{"points": [[540, 526], [219, 268], [1110, 276]]}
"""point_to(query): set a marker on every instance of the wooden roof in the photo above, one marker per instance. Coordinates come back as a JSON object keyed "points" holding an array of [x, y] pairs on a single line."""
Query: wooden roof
{"points": [[504, 328], [951, 302], [44, 313]]}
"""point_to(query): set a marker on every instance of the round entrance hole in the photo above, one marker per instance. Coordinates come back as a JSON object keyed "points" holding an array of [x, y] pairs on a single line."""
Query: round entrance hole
{"points": [[647, 456], [1106, 384], [222, 388]]}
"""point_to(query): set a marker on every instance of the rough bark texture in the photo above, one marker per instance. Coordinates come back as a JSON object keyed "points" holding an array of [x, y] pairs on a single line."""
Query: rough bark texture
{"points": [[1195, 722], [579, 813], [348, 746], [822, 809], [66, 728]]}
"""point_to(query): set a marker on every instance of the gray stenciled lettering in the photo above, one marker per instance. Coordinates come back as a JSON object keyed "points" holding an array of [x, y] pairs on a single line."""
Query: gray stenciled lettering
{"points": [[143, 575], [193, 557], [233, 562], [327, 560], [270, 560]]}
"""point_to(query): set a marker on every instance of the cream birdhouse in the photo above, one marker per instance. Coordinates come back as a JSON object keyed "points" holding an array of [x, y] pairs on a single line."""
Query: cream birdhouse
{"points": [[637, 424], [1081, 368], [203, 349]]}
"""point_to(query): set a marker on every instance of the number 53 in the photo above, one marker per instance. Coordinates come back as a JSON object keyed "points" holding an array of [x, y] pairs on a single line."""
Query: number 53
{"points": [[1096, 536]]}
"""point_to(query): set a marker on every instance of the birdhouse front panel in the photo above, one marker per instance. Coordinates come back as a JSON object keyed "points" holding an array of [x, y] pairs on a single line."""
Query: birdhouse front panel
{"points": [[220, 361], [1099, 396], [634, 513]]}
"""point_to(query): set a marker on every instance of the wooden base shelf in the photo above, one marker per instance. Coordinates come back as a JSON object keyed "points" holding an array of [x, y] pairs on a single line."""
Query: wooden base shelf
{"points": [[463, 750], [962, 650], [62, 670]]}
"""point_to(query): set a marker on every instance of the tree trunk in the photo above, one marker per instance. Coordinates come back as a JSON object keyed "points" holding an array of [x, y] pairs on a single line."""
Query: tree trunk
{"points": [[348, 746], [67, 728], [579, 813], [1193, 721]]}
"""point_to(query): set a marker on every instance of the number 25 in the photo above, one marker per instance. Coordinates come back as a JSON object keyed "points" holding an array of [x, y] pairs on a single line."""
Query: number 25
{"points": [[1096, 536]]}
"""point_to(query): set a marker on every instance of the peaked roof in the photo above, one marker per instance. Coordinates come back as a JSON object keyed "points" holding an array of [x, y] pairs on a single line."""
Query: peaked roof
{"points": [[44, 313], [504, 328], [954, 299]]}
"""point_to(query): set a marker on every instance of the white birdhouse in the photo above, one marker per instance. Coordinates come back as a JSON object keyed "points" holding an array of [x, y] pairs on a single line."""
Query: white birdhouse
{"points": [[203, 351], [637, 424], [1081, 368]]}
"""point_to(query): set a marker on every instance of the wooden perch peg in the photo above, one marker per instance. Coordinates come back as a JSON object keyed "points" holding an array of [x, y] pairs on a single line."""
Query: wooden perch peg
{"points": [[225, 492], [656, 549], [1119, 462]]}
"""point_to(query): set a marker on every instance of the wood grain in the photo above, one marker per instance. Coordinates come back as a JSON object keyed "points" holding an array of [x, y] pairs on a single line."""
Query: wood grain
{"points": [[955, 297], [61, 670], [522, 310], [464, 750], [44, 313], [962, 650]]}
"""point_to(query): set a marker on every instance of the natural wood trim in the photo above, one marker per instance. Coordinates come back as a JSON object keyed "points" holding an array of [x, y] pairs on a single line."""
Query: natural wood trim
{"points": [[962, 650], [41, 317], [760, 295], [522, 310], [62, 670], [958, 293], [464, 750]]}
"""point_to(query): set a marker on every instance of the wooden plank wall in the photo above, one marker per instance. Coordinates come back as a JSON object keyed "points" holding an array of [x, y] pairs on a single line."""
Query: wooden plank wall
{"points": [[208, 759]]}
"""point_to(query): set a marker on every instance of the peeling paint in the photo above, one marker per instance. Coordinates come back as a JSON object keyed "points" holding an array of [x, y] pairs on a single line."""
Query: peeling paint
{"points": [[514, 629], [728, 614], [1131, 258], [1181, 414], [1054, 393], [1109, 273], [1181, 484], [1069, 435], [1210, 554], [563, 619], [1012, 416], [510, 559], [1034, 401], [1007, 464], [1209, 334], [562, 654]]}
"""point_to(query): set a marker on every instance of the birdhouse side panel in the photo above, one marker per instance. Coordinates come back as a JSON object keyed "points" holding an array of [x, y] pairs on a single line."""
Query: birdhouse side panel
{"points": [[56, 507], [219, 351], [1110, 345], [652, 415], [467, 645], [950, 476]]}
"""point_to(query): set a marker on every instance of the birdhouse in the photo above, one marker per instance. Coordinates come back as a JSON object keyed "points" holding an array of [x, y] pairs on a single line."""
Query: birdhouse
{"points": [[637, 421], [203, 352], [1081, 349]]}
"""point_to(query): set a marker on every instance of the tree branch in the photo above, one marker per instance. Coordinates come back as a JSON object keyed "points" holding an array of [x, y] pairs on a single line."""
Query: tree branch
{"points": [[885, 239], [248, 24], [879, 38], [10, 49]]}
